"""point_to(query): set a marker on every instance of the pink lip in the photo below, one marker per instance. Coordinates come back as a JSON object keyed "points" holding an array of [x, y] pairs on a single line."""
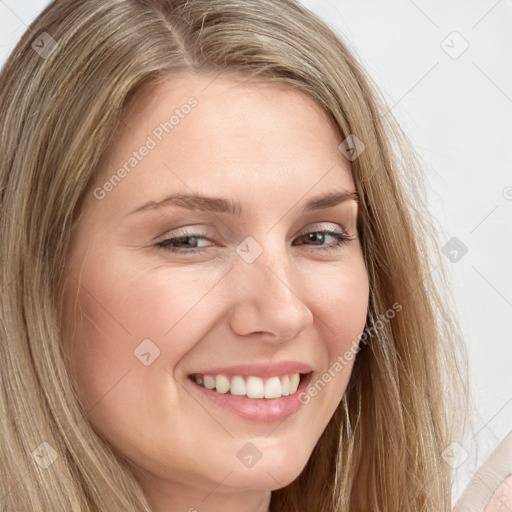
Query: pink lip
{"points": [[258, 369], [260, 410]]}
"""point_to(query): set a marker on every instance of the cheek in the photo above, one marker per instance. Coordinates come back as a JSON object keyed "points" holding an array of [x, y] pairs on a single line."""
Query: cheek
{"points": [[118, 309], [340, 296], [341, 301]]}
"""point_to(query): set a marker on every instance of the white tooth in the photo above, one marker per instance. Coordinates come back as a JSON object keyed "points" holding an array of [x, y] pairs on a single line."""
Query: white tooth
{"points": [[209, 382], [238, 386], [255, 387], [198, 379], [294, 382], [273, 388], [285, 385], [221, 384]]}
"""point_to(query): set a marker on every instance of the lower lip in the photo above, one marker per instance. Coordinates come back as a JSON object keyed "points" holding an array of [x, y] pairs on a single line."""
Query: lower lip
{"points": [[261, 410]]}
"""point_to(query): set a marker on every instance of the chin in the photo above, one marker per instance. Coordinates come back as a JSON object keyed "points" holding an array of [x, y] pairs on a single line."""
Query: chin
{"points": [[275, 469]]}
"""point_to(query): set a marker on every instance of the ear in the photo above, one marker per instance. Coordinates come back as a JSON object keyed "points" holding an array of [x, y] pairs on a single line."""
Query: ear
{"points": [[490, 489]]}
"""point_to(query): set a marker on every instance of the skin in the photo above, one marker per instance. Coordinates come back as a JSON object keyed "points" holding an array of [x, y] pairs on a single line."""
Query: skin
{"points": [[272, 148]]}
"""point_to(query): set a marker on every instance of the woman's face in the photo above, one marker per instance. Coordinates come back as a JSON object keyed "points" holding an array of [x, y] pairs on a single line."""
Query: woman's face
{"points": [[179, 295]]}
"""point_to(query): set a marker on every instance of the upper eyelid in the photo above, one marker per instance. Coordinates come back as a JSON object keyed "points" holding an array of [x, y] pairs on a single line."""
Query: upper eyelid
{"points": [[190, 231]]}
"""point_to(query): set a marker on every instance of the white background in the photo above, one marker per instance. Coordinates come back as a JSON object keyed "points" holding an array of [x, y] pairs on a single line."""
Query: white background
{"points": [[457, 112]]}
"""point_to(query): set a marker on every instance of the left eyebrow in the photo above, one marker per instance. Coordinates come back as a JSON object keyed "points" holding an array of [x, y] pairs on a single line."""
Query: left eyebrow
{"points": [[227, 206], [329, 200]]}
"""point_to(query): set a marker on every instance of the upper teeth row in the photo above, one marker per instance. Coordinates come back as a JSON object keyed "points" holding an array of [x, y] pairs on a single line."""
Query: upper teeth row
{"points": [[252, 387]]}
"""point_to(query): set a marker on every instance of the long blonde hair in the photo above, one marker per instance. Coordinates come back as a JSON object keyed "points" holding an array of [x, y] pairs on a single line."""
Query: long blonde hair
{"points": [[63, 92]]}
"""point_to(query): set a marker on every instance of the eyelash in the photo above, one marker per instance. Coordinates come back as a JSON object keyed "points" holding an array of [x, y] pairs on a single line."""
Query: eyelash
{"points": [[341, 238]]}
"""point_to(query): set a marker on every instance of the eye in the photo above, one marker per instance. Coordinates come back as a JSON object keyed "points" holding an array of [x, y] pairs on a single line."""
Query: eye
{"points": [[189, 242], [318, 238], [175, 244]]}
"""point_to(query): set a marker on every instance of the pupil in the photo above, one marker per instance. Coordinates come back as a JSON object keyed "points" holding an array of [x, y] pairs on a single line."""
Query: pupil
{"points": [[316, 237], [191, 240]]}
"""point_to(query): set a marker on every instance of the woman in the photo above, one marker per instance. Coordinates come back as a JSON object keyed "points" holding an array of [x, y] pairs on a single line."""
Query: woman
{"points": [[217, 288]]}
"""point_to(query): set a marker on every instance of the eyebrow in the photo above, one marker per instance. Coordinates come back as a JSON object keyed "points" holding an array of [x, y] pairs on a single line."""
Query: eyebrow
{"points": [[227, 206]]}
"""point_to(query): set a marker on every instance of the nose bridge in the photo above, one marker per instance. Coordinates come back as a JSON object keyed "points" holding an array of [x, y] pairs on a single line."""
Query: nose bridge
{"points": [[268, 296]]}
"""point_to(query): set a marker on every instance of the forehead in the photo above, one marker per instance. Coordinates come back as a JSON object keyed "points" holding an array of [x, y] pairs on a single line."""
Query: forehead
{"points": [[229, 106], [218, 92], [238, 131]]}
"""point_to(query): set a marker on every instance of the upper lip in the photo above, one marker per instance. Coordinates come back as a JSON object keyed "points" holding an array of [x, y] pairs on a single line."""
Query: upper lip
{"points": [[258, 369]]}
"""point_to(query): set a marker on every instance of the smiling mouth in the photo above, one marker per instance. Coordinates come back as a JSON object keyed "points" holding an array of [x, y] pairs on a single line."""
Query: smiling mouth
{"points": [[251, 386]]}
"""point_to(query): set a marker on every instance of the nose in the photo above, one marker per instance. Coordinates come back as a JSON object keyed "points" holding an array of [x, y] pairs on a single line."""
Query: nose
{"points": [[266, 298]]}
